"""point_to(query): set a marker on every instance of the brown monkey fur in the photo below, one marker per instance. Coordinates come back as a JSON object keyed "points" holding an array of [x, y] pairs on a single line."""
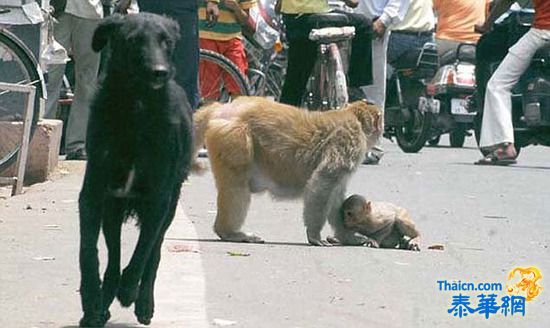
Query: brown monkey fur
{"points": [[255, 145], [385, 224]]}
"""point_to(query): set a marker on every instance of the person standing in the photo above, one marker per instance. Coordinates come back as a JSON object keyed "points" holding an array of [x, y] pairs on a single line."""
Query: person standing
{"points": [[223, 37], [456, 20], [383, 13], [416, 29], [300, 17], [74, 31], [497, 130]]}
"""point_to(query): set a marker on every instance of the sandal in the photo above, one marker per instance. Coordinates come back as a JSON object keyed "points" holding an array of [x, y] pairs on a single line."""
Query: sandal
{"points": [[498, 157]]}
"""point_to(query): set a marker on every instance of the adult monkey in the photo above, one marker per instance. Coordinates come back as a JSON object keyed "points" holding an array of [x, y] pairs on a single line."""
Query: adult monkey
{"points": [[257, 145]]}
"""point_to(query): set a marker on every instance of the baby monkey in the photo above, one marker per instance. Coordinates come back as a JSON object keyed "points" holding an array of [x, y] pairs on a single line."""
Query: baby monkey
{"points": [[384, 224]]}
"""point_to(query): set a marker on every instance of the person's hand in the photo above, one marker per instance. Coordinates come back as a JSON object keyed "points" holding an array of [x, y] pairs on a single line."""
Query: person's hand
{"points": [[481, 28], [231, 4], [378, 28], [351, 3], [212, 13], [122, 6]]}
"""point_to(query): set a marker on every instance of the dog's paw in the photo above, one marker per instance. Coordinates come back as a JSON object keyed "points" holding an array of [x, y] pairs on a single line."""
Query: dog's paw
{"points": [[127, 296], [144, 309], [94, 320]]}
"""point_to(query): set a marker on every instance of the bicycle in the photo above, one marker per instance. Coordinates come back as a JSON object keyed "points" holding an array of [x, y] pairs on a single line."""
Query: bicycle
{"points": [[213, 87], [19, 67], [327, 87]]}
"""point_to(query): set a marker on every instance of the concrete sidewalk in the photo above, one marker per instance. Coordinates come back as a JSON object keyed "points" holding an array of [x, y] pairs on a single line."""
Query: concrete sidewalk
{"points": [[39, 276]]}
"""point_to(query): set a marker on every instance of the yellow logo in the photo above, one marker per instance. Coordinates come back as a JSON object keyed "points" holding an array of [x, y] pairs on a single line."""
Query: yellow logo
{"points": [[524, 282]]}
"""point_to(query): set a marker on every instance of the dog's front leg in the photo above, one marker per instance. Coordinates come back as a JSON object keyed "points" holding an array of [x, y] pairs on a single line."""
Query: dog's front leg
{"points": [[90, 224], [145, 304], [150, 215]]}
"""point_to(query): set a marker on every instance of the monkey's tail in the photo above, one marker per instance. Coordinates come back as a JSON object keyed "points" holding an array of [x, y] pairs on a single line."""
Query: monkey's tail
{"points": [[200, 123]]}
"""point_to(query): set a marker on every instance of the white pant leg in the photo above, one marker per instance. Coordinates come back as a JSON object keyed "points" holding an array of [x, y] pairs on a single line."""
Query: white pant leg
{"points": [[376, 92], [497, 125]]}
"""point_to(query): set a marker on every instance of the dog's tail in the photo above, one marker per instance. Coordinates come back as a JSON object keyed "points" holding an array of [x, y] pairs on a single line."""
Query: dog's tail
{"points": [[200, 123]]}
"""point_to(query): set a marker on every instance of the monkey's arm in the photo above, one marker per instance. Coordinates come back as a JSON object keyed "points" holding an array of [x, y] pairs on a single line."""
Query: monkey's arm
{"points": [[406, 228]]}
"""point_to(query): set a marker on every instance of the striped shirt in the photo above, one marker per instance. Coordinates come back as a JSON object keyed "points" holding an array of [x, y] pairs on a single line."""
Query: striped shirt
{"points": [[227, 27]]}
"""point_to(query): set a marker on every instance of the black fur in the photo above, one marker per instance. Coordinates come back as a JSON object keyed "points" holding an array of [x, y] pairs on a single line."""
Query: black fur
{"points": [[139, 153]]}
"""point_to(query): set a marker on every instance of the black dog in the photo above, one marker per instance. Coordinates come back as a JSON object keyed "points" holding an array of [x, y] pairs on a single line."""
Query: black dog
{"points": [[139, 153]]}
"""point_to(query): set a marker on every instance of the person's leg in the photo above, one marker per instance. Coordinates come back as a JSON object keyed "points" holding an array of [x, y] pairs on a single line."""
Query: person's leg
{"points": [[62, 33], [234, 51], [376, 93], [360, 63], [209, 74], [301, 57], [491, 47], [497, 127], [86, 70]]}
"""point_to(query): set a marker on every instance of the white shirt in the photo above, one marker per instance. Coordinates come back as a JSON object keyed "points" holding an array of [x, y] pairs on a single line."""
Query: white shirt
{"points": [[389, 11], [90, 9]]}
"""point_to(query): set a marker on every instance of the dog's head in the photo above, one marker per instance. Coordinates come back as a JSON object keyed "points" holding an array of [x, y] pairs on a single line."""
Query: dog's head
{"points": [[140, 46]]}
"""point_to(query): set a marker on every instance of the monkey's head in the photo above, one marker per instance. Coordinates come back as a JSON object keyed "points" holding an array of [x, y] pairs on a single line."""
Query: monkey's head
{"points": [[355, 210], [371, 120]]}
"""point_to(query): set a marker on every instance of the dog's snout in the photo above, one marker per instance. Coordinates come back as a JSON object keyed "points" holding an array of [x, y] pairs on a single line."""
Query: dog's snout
{"points": [[160, 71]]}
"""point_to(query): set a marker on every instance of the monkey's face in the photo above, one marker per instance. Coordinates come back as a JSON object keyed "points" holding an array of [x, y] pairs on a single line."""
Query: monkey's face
{"points": [[352, 218]]}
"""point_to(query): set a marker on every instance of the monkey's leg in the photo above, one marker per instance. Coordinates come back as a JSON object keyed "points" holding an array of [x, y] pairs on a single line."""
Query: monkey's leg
{"points": [[230, 153], [233, 203], [319, 201]]}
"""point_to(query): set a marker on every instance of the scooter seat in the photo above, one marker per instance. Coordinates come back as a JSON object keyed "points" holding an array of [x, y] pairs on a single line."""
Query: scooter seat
{"points": [[332, 19]]}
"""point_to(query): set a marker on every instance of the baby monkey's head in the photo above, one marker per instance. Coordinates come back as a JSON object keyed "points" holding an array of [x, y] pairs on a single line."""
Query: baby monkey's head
{"points": [[355, 210]]}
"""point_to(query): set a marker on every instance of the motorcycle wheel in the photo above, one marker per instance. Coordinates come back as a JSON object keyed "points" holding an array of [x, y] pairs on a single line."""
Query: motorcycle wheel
{"points": [[412, 136], [457, 137]]}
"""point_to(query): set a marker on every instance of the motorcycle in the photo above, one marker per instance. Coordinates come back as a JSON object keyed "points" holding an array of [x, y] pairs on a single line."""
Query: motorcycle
{"points": [[409, 111], [451, 90], [530, 96]]}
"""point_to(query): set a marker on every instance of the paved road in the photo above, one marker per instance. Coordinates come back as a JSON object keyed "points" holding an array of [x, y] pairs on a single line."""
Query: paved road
{"points": [[489, 219]]}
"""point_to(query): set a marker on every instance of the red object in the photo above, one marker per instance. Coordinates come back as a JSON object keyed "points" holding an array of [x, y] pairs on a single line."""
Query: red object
{"points": [[542, 14], [210, 74]]}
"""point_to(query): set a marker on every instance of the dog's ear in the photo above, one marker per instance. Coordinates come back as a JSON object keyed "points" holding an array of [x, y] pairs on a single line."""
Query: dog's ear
{"points": [[104, 31], [173, 29]]}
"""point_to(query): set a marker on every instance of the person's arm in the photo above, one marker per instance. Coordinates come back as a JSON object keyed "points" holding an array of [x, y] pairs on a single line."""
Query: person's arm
{"points": [[393, 13], [212, 12], [499, 8], [240, 14]]}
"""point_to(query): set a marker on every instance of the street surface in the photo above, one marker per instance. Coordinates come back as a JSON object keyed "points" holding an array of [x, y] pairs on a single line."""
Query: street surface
{"points": [[489, 220]]}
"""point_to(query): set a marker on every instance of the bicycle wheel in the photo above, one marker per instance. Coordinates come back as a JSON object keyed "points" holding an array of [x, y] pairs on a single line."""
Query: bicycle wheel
{"points": [[17, 66], [217, 74]]}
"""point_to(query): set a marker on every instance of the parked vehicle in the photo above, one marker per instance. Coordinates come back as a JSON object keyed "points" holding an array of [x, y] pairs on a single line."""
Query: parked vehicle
{"points": [[265, 51], [409, 111], [453, 86], [530, 96]]}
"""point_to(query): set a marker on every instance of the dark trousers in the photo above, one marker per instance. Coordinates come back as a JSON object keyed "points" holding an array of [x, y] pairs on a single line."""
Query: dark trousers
{"points": [[406, 46], [186, 54], [302, 54]]}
